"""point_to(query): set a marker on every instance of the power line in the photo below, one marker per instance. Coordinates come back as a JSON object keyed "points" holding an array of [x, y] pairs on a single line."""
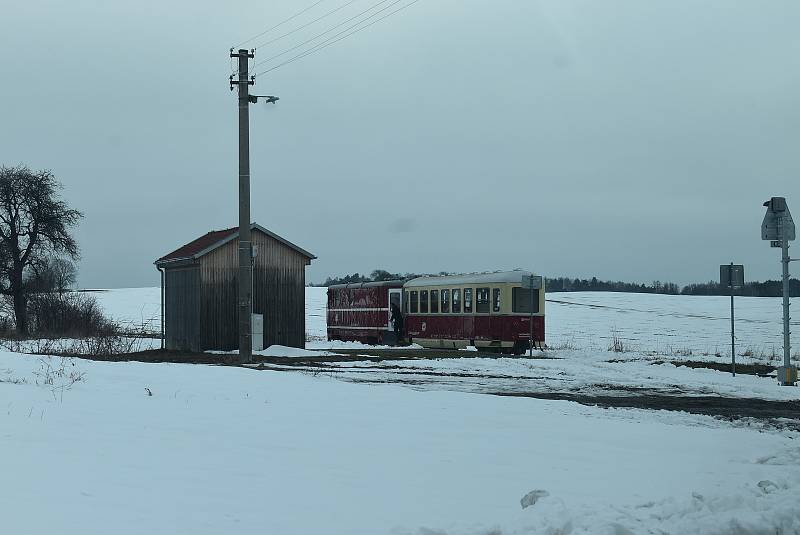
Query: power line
{"points": [[373, 6], [332, 40], [315, 4], [328, 42], [331, 12]]}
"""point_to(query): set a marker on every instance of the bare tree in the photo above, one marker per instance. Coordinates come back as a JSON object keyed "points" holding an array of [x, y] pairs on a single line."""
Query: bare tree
{"points": [[51, 274], [34, 225], [65, 275]]}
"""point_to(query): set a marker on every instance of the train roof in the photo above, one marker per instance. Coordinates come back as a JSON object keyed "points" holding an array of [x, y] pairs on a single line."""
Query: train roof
{"points": [[397, 283], [473, 278]]}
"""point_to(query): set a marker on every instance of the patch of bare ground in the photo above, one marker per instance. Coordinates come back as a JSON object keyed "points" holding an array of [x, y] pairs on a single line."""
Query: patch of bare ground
{"points": [[747, 369], [784, 414]]}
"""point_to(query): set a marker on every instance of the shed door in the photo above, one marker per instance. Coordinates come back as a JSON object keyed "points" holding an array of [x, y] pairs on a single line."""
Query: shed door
{"points": [[394, 301]]}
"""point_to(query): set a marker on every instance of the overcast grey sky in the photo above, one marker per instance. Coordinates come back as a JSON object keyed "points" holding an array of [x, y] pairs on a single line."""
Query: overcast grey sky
{"points": [[623, 139]]}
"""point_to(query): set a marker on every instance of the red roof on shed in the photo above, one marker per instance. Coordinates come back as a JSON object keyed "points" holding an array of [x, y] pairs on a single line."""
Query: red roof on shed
{"points": [[215, 238], [195, 246]]}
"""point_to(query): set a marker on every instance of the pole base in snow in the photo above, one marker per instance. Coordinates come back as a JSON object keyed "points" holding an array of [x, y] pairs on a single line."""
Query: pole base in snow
{"points": [[787, 375]]}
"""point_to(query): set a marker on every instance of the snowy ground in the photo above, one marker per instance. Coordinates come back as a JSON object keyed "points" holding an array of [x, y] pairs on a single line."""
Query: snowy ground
{"points": [[655, 330], [577, 372], [85, 448], [230, 450]]}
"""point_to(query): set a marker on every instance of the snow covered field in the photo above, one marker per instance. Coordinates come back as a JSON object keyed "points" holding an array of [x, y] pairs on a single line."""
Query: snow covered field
{"points": [[217, 449], [232, 450], [665, 324], [135, 308]]}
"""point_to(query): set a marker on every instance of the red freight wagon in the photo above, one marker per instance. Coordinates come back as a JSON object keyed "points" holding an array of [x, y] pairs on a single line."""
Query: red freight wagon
{"points": [[361, 312], [487, 310]]}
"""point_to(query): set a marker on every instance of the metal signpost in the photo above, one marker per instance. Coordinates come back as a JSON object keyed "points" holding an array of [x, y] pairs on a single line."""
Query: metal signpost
{"points": [[732, 276], [531, 283], [778, 229]]}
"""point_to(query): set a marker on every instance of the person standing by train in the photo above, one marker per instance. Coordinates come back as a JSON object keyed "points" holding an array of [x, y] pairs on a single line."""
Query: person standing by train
{"points": [[397, 322]]}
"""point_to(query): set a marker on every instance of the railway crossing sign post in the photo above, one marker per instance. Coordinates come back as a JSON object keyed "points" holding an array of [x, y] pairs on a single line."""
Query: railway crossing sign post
{"points": [[732, 276], [778, 229], [531, 282]]}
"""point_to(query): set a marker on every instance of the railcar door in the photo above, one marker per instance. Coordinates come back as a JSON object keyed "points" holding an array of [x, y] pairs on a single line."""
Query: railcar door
{"points": [[394, 301]]}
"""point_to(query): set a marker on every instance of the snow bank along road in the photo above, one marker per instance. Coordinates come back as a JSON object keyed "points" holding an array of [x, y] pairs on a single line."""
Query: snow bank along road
{"points": [[172, 448]]}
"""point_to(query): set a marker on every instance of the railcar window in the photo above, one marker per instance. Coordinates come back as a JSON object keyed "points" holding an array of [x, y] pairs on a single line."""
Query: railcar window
{"points": [[423, 301], [434, 301], [468, 300], [456, 300], [496, 299], [445, 301], [482, 300], [405, 302], [521, 300], [414, 301]]}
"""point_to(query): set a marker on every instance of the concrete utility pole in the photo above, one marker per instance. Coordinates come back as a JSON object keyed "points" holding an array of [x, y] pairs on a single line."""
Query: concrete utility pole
{"points": [[245, 296], [733, 325], [733, 328]]}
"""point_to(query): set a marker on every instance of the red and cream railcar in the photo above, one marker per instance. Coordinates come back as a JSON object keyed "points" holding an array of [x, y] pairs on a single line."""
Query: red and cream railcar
{"points": [[491, 311], [361, 312]]}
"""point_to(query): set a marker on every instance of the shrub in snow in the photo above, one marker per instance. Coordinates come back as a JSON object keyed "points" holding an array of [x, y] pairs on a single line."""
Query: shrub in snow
{"points": [[71, 314], [59, 375], [616, 345]]}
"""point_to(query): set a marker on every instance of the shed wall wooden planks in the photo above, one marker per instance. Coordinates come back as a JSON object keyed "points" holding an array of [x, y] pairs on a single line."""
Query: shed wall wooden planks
{"points": [[201, 298], [182, 308]]}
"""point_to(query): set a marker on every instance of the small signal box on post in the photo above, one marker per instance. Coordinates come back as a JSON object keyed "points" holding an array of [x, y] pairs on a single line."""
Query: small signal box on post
{"points": [[731, 276]]}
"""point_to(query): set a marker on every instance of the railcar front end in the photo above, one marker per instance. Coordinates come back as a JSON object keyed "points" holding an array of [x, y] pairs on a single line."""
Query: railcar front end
{"points": [[490, 311]]}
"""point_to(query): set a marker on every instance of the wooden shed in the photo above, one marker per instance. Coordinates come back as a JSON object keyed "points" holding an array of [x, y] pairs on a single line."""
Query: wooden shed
{"points": [[199, 291]]}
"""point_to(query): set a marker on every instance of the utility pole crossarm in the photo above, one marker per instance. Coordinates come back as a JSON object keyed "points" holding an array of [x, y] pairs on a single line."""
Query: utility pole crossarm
{"points": [[249, 53]]}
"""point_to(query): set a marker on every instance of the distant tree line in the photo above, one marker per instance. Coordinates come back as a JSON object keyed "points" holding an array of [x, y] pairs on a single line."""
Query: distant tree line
{"points": [[566, 284], [768, 288]]}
